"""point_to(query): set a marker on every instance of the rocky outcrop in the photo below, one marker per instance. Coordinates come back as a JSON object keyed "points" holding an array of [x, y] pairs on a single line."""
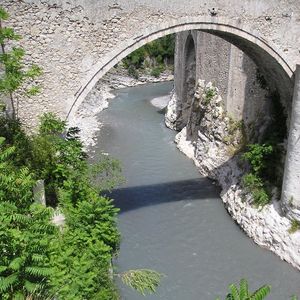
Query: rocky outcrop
{"points": [[171, 112], [118, 78], [85, 117], [212, 139]]}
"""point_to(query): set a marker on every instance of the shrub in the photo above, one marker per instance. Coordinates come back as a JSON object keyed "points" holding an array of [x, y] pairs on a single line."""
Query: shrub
{"points": [[260, 196], [209, 94], [57, 155], [83, 253], [25, 238], [295, 225], [135, 59], [16, 184], [256, 187], [37, 259], [251, 181], [25, 232], [133, 72], [15, 136], [256, 156], [156, 71], [50, 124], [158, 52]]}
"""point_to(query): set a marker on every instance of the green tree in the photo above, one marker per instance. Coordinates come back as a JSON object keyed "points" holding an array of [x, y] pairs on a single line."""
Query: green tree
{"points": [[25, 232], [25, 260], [15, 74], [159, 53], [257, 156]]}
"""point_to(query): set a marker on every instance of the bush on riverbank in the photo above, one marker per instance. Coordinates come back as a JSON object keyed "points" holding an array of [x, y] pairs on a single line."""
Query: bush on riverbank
{"points": [[257, 155], [39, 260]]}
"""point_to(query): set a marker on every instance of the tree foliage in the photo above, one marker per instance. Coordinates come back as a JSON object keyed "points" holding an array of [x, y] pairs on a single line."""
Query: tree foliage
{"points": [[16, 72], [72, 263], [154, 55], [83, 252], [257, 155], [242, 292], [25, 232]]}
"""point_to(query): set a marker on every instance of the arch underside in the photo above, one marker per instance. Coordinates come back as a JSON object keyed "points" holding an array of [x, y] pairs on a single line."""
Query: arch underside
{"points": [[272, 65]]}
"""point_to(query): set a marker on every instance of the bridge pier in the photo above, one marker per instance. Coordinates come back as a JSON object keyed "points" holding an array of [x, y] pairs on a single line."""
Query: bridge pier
{"points": [[227, 67], [291, 180]]}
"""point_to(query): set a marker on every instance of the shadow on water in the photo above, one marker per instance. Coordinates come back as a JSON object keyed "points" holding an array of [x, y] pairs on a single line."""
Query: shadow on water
{"points": [[130, 198]]}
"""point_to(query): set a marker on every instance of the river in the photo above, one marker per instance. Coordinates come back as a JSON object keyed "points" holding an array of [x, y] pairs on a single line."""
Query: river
{"points": [[172, 219]]}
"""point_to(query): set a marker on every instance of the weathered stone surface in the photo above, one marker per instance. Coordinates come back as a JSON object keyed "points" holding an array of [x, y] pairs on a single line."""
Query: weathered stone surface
{"points": [[291, 180]]}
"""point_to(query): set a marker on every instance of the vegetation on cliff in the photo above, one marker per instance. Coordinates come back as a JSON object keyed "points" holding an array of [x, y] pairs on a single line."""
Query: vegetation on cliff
{"points": [[72, 260], [266, 157]]}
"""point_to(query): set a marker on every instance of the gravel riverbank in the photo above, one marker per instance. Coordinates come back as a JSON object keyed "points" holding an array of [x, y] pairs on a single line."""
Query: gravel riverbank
{"points": [[86, 118]]}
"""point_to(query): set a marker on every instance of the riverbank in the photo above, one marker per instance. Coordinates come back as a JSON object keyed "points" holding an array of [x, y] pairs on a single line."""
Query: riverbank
{"points": [[98, 99], [213, 148]]}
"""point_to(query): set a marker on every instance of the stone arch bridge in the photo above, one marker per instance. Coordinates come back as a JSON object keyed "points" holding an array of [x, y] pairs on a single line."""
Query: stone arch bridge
{"points": [[77, 41]]}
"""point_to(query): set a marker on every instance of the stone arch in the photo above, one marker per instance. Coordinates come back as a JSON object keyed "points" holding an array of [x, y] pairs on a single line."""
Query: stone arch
{"points": [[263, 53]]}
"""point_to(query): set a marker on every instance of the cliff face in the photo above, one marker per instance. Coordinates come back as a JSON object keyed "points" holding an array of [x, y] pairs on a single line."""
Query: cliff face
{"points": [[212, 139], [214, 136]]}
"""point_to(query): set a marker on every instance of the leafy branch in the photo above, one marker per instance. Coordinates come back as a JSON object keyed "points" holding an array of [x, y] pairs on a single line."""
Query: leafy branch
{"points": [[142, 280], [15, 73], [242, 292]]}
